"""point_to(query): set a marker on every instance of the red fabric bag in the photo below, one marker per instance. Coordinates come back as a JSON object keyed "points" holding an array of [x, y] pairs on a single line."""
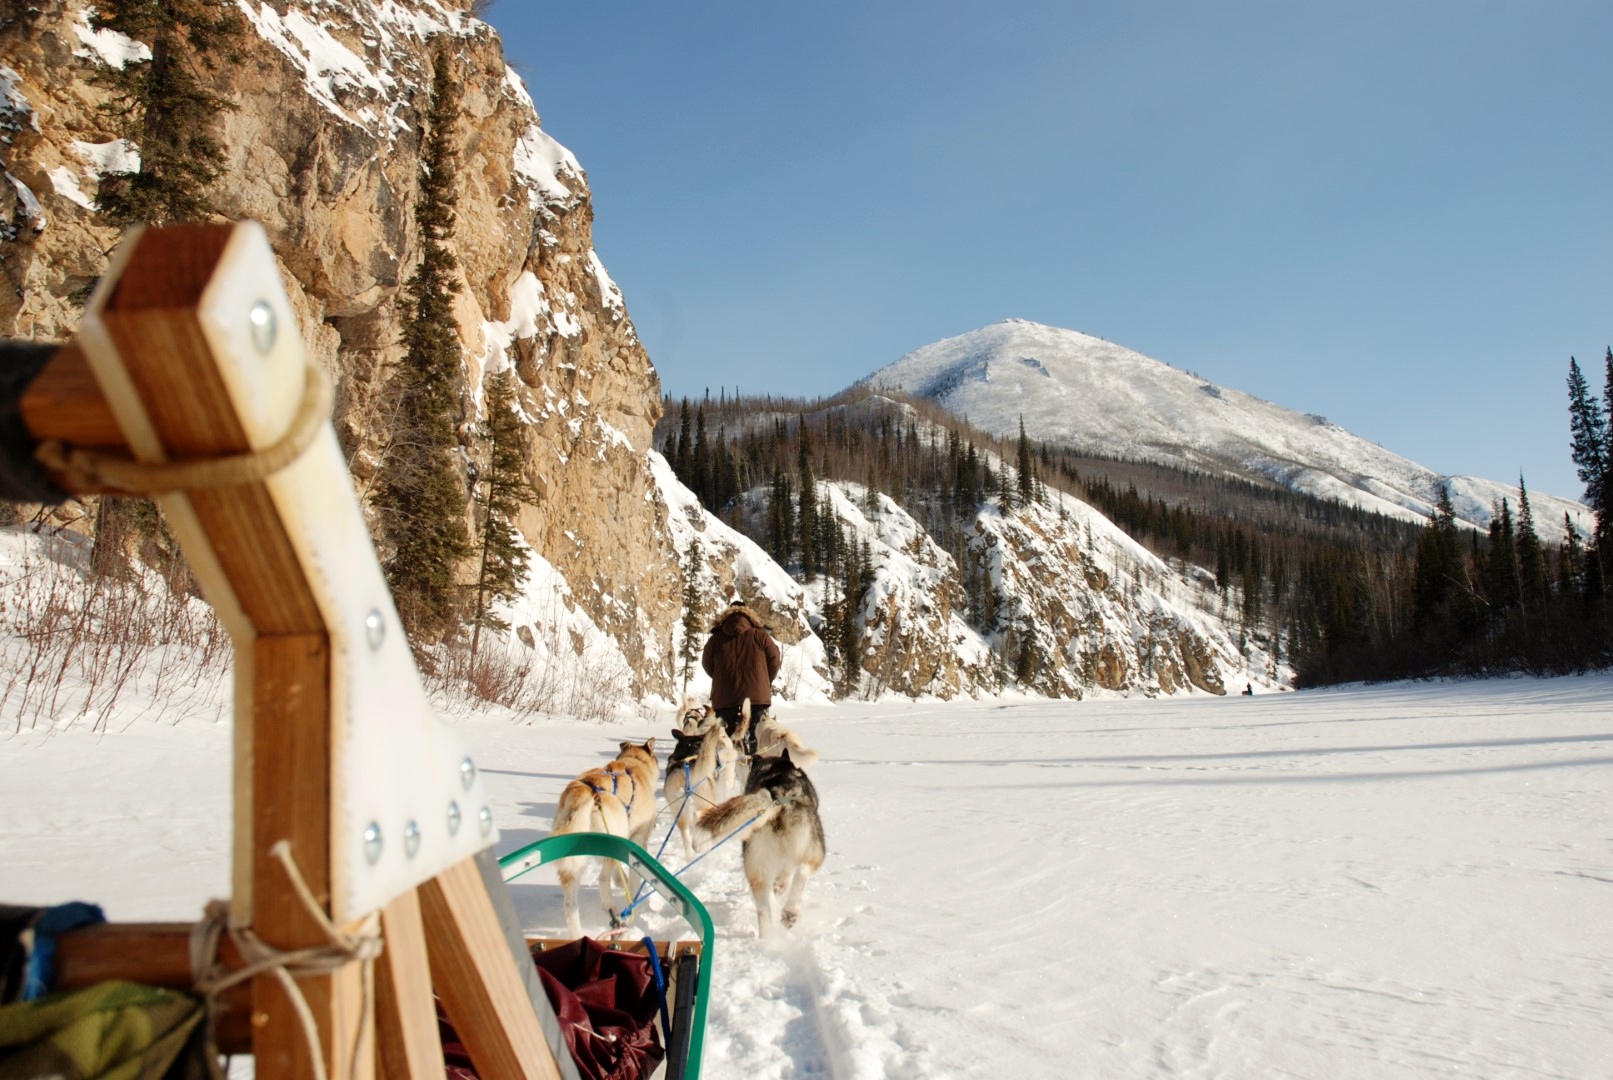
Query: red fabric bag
{"points": [[607, 1002]]}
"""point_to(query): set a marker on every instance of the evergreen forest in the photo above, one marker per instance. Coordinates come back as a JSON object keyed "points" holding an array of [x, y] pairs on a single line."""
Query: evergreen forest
{"points": [[1341, 593]]}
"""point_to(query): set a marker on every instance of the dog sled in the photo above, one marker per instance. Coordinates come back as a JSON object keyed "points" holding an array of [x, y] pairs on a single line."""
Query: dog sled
{"points": [[364, 893], [684, 966]]}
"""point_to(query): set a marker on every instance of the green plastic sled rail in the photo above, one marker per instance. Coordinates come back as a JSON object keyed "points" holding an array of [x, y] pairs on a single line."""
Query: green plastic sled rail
{"points": [[659, 878]]}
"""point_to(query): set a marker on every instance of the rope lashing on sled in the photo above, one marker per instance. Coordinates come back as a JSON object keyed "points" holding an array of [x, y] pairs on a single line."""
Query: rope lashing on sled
{"points": [[82, 469], [341, 948]]}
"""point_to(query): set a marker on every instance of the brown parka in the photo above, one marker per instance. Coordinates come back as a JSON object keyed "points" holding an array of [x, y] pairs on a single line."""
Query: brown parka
{"points": [[742, 660]]}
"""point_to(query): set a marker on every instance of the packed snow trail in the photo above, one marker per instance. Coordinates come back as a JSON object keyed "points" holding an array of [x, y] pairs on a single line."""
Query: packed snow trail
{"points": [[1381, 883]]}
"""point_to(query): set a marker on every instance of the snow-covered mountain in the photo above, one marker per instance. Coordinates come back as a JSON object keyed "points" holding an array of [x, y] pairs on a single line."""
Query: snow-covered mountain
{"points": [[1098, 397]]}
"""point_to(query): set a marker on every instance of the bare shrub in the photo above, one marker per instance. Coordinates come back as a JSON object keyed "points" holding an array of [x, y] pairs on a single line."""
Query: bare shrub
{"points": [[77, 646], [559, 674]]}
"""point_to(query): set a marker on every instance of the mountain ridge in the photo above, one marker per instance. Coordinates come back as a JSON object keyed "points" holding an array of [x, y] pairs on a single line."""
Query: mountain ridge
{"points": [[1092, 395]]}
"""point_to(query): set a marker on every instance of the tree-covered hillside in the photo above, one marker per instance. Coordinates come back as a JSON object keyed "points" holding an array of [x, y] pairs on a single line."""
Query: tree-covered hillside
{"points": [[1339, 593]]}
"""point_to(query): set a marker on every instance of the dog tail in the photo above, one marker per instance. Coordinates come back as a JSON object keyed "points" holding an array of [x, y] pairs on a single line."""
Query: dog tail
{"points": [[786, 739], [744, 813], [583, 809], [800, 756], [742, 729]]}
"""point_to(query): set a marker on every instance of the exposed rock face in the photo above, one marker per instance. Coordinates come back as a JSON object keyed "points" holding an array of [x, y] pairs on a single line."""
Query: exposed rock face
{"points": [[914, 638], [323, 147], [1096, 610]]}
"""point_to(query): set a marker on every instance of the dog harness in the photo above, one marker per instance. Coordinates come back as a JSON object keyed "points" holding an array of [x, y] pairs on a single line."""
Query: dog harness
{"points": [[615, 778], [689, 789]]}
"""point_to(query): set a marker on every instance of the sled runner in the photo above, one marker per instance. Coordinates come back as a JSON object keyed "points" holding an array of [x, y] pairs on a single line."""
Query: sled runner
{"points": [[364, 888], [687, 964]]}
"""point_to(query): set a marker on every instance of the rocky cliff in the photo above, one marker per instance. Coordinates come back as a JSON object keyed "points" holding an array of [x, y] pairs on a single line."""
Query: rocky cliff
{"points": [[1091, 609], [322, 147]]}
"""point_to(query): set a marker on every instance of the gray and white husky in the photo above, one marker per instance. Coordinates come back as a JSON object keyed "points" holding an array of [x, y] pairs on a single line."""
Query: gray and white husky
{"points": [[700, 771], [783, 834]]}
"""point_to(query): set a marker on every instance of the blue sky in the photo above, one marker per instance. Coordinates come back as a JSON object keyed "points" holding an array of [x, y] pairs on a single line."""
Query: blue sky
{"points": [[1398, 215]]}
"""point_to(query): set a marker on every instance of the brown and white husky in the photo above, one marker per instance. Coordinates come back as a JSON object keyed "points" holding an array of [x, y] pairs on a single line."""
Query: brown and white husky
{"points": [[618, 799]]}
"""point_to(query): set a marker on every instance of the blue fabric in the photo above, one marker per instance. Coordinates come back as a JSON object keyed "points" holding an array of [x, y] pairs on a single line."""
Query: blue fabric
{"points": [[42, 959]]}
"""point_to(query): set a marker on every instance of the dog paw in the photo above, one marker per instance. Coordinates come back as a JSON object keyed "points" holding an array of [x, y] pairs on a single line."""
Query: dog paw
{"points": [[789, 918]]}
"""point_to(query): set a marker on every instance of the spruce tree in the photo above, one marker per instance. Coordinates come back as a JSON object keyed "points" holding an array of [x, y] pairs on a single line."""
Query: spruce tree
{"points": [[420, 496], [1501, 579], [1027, 470], [1439, 565], [1532, 579], [699, 480], [1027, 657], [1588, 439], [780, 518], [680, 461], [162, 105], [693, 614], [1604, 501], [504, 562], [1570, 563], [807, 514]]}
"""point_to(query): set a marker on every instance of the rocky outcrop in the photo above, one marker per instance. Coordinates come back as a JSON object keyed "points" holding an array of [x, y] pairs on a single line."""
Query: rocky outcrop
{"points": [[323, 149], [1093, 609]]}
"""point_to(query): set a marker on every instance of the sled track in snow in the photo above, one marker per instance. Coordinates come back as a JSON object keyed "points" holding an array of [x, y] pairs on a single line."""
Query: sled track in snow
{"points": [[807, 1039]]}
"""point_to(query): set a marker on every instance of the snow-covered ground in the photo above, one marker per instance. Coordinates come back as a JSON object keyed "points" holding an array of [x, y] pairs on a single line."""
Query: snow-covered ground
{"points": [[1404, 881]]}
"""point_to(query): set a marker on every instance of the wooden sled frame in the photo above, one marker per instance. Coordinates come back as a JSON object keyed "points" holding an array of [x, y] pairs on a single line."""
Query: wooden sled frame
{"points": [[190, 351]]}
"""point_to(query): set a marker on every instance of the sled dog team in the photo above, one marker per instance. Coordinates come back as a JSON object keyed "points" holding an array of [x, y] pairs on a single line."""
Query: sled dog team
{"points": [[767, 801]]}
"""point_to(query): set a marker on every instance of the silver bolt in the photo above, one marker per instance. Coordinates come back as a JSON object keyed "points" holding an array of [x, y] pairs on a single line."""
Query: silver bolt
{"points": [[411, 839], [485, 820], [263, 326], [372, 843], [467, 773], [453, 819], [375, 629]]}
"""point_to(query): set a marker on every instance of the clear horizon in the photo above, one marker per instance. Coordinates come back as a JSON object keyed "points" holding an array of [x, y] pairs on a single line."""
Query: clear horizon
{"points": [[1394, 215]]}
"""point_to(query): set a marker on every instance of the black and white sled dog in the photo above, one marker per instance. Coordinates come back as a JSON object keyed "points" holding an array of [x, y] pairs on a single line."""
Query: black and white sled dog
{"points": [[701, 770], [778, 818]]}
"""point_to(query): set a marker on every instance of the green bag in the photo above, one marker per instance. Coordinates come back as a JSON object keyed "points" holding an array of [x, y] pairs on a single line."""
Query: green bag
{"points": [[111, 1031]]}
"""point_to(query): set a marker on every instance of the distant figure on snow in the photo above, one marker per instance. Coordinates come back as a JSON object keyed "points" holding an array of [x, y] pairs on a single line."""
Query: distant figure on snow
{"points": [[1248, 689], [742, 660]]}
